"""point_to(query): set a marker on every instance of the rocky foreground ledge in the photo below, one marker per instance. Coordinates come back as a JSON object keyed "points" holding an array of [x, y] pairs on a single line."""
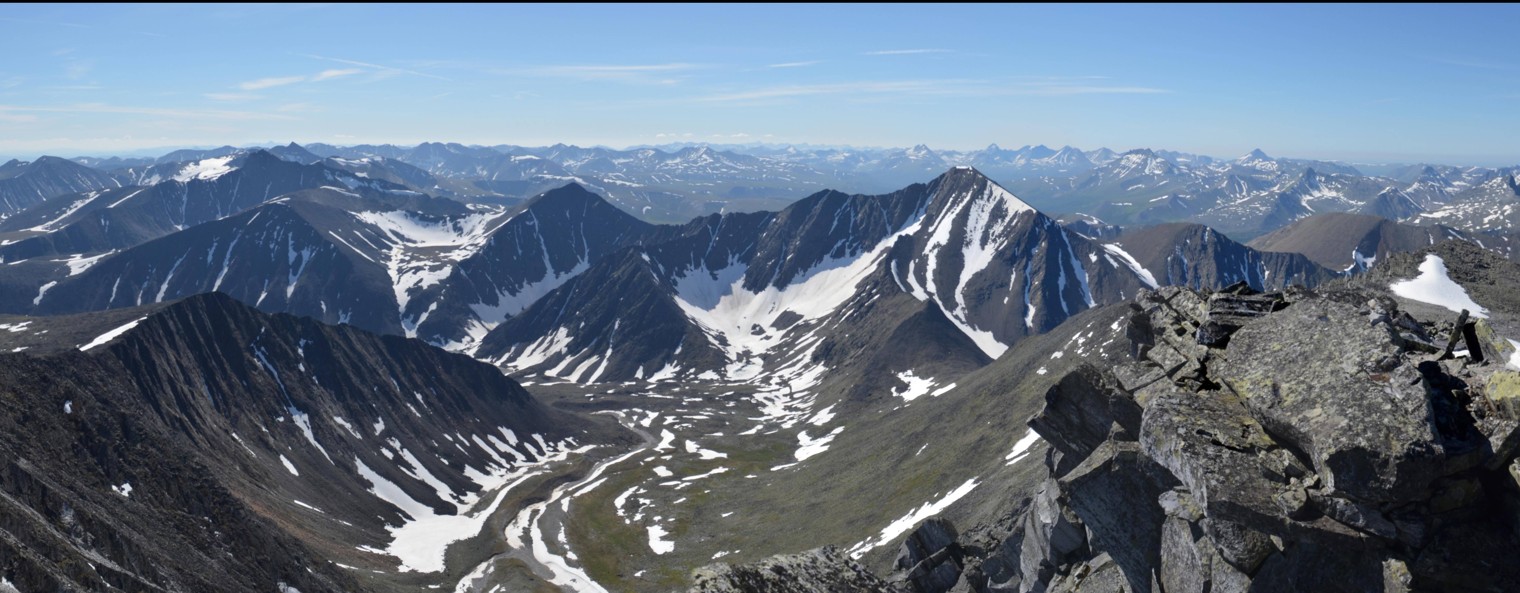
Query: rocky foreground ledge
{"points": [[1249, 442]]}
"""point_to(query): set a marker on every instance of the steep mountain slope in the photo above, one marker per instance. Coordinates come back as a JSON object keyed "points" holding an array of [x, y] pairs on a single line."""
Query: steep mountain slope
{"points": [[1343, 241], [278, 257], [202, 445], [327, 254], [197, 192], [538, 247], [1196, 256], [769, 296], [26, 184]]}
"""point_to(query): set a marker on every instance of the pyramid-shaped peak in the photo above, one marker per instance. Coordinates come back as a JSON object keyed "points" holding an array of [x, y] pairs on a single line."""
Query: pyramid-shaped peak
{"points": [[1255, 155], [570, 194], [964, 182]]}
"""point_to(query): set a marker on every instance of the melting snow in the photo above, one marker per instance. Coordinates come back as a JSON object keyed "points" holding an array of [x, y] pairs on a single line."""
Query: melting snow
{"points": [[125, 489], [892, 532], [917, 386], [111, 335], [1021, 448], [810, 447], [657, 541], [1435, 287], [1129, 261]]}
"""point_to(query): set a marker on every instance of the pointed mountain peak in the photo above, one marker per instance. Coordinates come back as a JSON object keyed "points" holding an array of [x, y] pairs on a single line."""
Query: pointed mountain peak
{"points": [[964, 182], [967, 172], [569, 194], [994, 148], [1255, 155]]}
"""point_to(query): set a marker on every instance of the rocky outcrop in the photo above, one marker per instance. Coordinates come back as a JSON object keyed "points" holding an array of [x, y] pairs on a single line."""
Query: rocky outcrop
{"points": [[1260, 442], [824, 569], [1285, 442]]}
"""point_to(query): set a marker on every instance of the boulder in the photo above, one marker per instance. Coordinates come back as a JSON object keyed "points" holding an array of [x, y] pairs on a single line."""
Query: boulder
{"points": [[1082, 410], [1323, 381]]}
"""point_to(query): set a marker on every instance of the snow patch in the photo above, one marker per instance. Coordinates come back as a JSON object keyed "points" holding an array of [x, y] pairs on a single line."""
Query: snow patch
{"points": [[111, 335], [1435, 287], [894, 531]]}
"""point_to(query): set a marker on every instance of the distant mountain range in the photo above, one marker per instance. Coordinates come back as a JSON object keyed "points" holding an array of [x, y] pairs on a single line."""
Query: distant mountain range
{"points": [[1244, 197]]}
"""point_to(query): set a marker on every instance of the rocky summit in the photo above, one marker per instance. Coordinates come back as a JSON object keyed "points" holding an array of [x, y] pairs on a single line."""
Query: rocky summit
{"points": [[1286, 441]]}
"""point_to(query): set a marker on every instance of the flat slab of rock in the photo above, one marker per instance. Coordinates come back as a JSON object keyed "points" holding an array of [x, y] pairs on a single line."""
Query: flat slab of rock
{"points": [[1321, 378]]}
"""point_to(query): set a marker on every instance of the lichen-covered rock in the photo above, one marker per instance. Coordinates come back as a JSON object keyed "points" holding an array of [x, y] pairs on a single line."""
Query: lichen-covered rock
{"points": [[1322, 379]]}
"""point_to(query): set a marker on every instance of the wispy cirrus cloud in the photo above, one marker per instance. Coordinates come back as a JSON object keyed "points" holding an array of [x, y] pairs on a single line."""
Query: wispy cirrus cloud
{"points": [[931, 87], [232, 97], [906, 52], [669, 73], [378, 69], [795, 64], [269, 83], [211, 114], [335, 73]]}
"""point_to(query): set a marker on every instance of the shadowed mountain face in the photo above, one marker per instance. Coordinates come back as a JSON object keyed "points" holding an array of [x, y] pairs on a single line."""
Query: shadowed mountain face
{"points": [[26, 184], [203, 445]]}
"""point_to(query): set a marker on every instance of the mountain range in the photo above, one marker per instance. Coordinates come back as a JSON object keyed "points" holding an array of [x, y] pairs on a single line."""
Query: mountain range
{"points": [[382, 368]]}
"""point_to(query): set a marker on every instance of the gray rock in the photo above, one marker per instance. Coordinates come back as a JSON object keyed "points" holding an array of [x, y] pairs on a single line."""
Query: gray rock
{"points": [[1210, 442], [1081, 411], [1241, 547], [1313, 375], [815, 571], [1183, 568], [1053, 536], [1357, 515], [1103, 491], [924, 541]]}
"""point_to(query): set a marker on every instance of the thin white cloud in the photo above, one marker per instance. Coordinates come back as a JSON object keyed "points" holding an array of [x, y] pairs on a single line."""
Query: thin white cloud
{"points": [[917, 87], [794, 64], [232, 97], [388, 70], [215, 114], [947, 87], [335, 73], [906, 52], [631, 73], [1084, 90], [265, 83]]}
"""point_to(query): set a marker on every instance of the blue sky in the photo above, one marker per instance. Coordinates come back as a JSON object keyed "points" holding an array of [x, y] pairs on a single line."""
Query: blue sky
{"points": [[1361, 83]]}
